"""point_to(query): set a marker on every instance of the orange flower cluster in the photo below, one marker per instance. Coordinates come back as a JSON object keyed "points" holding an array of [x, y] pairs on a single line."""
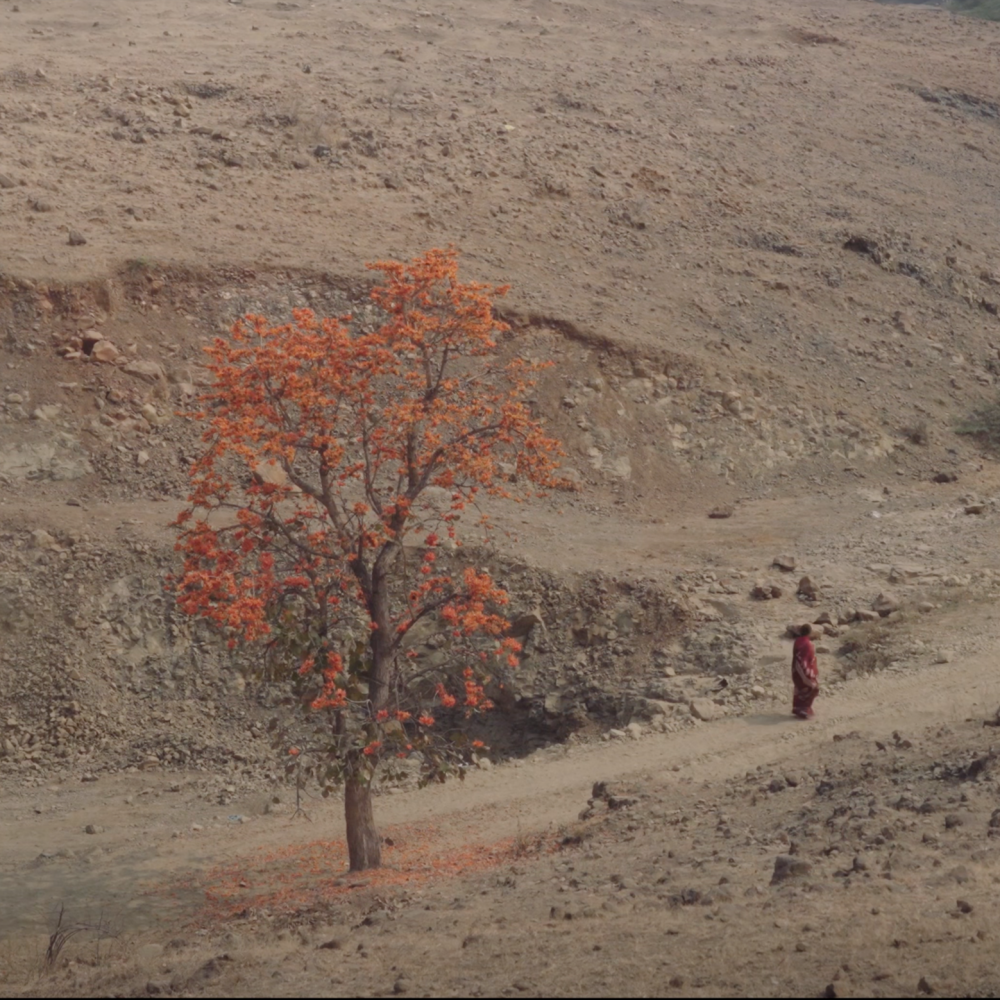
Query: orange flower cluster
{"points": [[447, 700], [334, 694]]}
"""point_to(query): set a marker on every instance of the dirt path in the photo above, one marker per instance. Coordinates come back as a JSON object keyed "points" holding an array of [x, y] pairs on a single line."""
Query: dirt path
{"points": [[46, 859], [552, 786]]}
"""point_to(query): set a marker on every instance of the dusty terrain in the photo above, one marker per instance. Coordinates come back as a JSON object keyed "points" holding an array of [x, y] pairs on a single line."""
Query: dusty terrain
{"points": [[759, 241]]}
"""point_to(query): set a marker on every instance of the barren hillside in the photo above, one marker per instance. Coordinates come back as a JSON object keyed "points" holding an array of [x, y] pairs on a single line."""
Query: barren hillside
{"points": [[760, 242]]}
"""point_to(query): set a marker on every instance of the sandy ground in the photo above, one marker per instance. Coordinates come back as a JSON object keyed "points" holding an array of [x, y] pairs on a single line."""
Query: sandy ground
{"points": [[793, 200], [160, 846]]}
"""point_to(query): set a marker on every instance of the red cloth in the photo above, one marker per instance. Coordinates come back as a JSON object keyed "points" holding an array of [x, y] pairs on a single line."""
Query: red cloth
{"points": [[805, 677]]}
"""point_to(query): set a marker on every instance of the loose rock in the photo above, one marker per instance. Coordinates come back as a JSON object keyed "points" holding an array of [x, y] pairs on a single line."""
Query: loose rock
{"points": [[105, 352], [787, 866], [885, 604], [149, 371], [705, 710]]}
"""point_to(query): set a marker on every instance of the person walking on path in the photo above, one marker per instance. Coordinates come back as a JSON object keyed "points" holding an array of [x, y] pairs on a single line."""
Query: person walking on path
{"points": [[805, 674]]}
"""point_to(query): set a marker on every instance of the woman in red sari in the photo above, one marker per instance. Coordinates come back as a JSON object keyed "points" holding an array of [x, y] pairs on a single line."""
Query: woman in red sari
{"points": [[805, 675]]}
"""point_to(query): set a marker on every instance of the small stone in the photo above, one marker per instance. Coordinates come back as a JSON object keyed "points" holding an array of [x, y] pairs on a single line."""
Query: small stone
{"points": [[944, 656], [105, 352], [705, 710], [885, 604], [952, 821], [150, 413], [807, 589], [634, 730], [864, 615], [270, 472], [41, 539], [963, 906], [76, 239], [301, 163], [945, 477], [7, 182], [975, 508], [784, 562], [787, 866], [141, 458], [720, 513], [524, 624], [89, 338], [92, 829], [924, 986], [149, 371], [903, 321]]}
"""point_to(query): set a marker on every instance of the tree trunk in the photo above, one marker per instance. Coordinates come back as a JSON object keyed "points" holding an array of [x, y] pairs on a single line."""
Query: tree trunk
{"points": [[364, 845]]}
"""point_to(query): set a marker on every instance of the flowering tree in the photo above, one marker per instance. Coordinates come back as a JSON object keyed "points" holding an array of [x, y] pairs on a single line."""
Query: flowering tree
{"points": [[341, 552]]}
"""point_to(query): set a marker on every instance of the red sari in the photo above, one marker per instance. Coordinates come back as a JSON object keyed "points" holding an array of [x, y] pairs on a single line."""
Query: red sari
{"points": [[805, 677]]}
